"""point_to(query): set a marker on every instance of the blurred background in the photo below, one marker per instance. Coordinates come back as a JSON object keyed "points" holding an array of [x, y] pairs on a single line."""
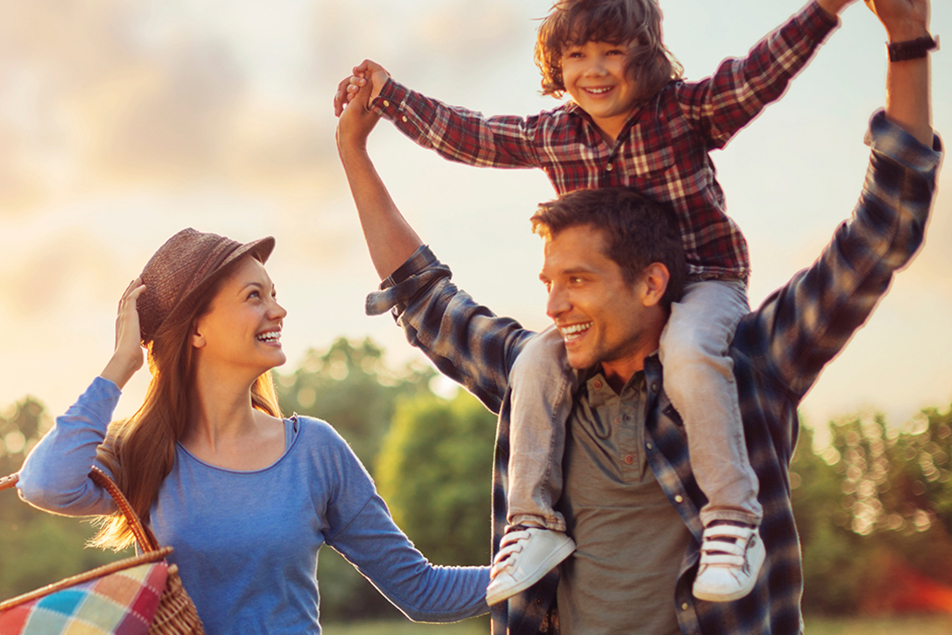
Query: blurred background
{"points": [[123, 121]]}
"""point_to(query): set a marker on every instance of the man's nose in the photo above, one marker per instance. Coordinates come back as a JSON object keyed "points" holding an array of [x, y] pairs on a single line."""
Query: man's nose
{"points": [[557, 302]]}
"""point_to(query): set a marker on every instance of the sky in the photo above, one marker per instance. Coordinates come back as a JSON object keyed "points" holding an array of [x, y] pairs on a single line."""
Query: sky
{"points": [[122, 122]]}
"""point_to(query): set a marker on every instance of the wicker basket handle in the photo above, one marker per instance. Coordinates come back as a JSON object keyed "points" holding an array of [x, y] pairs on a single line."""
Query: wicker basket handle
{"points": [[9, 481], [145, 538]]}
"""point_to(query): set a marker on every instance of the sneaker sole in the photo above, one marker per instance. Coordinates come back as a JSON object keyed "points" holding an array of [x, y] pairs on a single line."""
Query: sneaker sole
{"points": [[544, 567]]}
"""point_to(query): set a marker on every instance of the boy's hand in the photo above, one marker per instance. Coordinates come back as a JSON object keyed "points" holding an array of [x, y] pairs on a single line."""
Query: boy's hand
{"points": [[904, 19], [349, 86], [356, 121]]}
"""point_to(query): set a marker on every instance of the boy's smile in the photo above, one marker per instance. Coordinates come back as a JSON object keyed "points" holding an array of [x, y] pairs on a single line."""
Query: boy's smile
{"points": [[596, 75]]}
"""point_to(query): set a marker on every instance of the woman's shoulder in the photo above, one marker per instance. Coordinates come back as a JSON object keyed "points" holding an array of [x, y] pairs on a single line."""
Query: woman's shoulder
{"points": [[318, 434]]}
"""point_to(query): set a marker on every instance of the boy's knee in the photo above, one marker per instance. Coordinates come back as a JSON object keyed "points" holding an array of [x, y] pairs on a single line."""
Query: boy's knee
{"points": [[544, 353]]}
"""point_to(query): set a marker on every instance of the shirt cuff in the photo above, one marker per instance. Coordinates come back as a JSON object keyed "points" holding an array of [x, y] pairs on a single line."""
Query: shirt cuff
{"points": [[413, 277], [890, 139], [816, 22], [390, 100]]}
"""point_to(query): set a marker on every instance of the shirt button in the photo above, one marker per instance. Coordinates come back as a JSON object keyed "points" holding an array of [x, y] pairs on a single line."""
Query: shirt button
{"points": [[654, 387], [386, 103], [649, 445], [629, 459], [679, 499], [597, 384], [404, 119], [609, 167], [684, 607]]}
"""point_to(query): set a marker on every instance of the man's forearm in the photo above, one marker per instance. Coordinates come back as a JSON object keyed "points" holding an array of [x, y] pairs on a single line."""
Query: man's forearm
{"points": [[389, 237], [908, 102]]}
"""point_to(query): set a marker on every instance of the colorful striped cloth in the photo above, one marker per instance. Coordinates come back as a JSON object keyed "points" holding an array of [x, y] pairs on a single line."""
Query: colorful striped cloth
{"points": [[121, 603]]}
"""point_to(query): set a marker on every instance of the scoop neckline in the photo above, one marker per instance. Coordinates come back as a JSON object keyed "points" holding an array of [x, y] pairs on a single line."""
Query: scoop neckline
{"points": [[291, 434]]}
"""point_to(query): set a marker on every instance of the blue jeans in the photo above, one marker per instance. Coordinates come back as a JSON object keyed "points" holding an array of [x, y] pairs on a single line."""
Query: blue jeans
{"points": [[699, 380]]}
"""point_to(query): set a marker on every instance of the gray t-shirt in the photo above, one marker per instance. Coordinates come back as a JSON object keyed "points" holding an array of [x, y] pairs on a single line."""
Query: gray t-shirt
{"points": [[631, 541]]}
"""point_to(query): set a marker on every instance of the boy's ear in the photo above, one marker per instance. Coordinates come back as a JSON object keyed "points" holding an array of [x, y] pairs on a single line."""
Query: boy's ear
{"points": [[655, 278]]}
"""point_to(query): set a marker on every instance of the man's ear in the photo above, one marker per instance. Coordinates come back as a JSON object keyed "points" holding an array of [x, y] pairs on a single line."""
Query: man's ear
{"points": [[655, 277]]}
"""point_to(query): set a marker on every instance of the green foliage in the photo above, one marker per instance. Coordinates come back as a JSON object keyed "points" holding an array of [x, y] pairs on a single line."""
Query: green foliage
{"points": [[435, 472], [875, 507], [35, 548], [350, 387]]}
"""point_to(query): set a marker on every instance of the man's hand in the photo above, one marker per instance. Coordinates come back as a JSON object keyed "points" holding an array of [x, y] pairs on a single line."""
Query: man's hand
{"points": [[349, 86], [356, 122], [834, 7], [904, 19]]}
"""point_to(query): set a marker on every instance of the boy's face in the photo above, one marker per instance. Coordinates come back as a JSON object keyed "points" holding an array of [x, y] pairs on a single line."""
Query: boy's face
{"points": [[595, 75]]}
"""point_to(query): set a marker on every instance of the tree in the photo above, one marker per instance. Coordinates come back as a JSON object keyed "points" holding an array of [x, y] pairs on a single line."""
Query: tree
{"points": [[876, 509], [36, 548], [351, 387], [435, 472]]}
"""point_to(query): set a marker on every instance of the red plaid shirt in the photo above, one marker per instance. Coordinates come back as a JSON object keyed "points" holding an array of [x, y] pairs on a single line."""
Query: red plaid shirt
{"points": [[662, 151]]}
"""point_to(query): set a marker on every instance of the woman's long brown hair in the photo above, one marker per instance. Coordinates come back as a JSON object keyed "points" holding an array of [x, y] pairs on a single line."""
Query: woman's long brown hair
{"points": [[140, 451]]}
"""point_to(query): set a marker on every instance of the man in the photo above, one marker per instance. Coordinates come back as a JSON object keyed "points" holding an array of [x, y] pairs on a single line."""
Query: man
{"points": [[629, 495]]}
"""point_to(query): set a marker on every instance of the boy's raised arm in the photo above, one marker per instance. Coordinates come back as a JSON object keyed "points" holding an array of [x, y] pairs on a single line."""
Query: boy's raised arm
{"points": [[389, 237]]}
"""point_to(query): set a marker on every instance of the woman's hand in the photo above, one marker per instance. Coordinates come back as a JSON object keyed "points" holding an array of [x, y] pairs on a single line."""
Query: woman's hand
{"points": [[128, 356]]}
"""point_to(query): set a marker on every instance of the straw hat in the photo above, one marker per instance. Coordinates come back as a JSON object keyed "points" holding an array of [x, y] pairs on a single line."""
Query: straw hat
{"points": [[185, 267]]}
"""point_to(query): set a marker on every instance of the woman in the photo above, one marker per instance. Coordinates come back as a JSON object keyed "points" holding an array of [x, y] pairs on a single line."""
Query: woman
{"points": [[245, 497]]}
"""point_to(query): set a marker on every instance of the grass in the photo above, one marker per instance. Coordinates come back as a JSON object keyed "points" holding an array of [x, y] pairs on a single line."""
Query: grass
{"points": [[918, 625]]}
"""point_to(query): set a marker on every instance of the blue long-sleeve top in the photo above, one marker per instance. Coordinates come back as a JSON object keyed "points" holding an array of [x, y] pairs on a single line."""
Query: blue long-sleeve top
{"points": [[246, 543]]}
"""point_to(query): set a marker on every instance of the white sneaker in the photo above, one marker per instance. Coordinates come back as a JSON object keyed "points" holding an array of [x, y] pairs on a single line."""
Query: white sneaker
{"points": [[524, 557], [731, 558]]}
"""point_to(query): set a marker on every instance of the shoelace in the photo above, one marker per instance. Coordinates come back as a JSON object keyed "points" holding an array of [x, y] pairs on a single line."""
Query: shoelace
{"points": [[726, 545]]}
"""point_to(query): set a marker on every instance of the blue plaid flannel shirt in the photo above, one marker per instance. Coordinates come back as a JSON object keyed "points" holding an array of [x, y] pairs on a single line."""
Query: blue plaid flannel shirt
{"points": [[778, 352]]}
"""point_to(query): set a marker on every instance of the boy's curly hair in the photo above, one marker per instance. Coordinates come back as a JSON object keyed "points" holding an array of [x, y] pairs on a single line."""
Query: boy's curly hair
{"points": [[573, 22]]}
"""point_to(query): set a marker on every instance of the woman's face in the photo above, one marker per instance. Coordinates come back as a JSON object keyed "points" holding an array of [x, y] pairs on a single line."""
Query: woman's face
{"points": [[242, 327]]}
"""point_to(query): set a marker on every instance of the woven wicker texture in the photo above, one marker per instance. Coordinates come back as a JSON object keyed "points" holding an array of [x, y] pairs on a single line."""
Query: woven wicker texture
{"points": [[175, 614], [188, 263]]}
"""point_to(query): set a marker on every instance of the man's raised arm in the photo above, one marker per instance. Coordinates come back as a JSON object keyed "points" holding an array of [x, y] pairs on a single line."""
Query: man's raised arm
{"points": [[389, 237], [807, 322], [908, 102]]}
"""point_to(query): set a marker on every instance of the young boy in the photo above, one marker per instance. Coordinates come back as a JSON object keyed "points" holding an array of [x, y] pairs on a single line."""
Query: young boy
{"points": [[631, 122]]}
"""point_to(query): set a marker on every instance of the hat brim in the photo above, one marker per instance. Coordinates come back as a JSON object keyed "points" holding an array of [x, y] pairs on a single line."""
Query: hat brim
{"points": [[261, 249]]}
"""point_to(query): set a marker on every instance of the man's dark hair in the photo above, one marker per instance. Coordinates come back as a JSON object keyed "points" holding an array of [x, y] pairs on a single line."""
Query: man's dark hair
{"points": [[638, 231]]}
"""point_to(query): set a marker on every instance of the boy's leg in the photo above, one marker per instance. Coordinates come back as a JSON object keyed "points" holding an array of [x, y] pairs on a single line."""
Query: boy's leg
{"points": [[541, 383], [699, 379]]}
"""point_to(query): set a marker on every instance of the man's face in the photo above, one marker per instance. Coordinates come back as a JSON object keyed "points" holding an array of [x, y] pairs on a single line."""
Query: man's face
{"points": [[602, 318]]}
